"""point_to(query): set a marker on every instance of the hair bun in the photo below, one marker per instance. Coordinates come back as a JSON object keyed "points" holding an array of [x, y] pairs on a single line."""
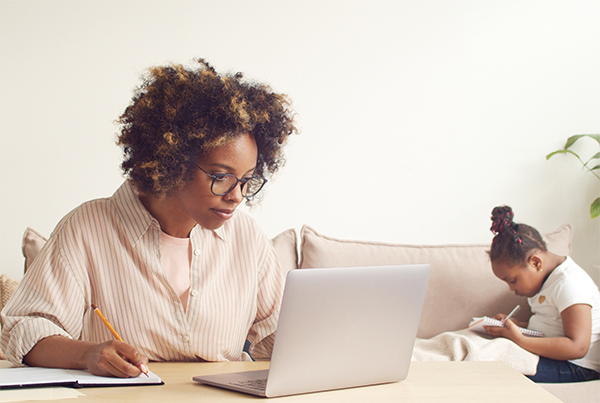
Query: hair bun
{"points": [[502, 218]]}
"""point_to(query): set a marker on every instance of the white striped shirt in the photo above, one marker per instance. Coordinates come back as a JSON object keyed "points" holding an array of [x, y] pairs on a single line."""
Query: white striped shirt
{"points": [[108, 252]]}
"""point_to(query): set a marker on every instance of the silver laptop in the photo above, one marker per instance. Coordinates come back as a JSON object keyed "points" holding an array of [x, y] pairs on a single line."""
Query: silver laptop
{"points": [[339, 328]]}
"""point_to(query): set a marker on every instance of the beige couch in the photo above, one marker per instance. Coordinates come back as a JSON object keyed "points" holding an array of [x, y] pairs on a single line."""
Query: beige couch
{"points": [[461, 285]]}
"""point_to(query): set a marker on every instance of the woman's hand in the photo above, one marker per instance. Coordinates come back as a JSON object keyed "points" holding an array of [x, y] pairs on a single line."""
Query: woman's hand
{"points": [[111, 358], [115, 358]]}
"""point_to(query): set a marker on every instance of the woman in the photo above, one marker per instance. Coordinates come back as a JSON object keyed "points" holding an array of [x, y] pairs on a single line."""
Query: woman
{"points": [[179, 273]]}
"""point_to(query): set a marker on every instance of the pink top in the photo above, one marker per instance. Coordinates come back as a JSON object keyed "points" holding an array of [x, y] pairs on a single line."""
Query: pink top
{"points": [[176, 260]]}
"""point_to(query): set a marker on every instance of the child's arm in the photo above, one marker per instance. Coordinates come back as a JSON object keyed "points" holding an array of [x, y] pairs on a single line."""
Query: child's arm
{"points": [[577, 326]]}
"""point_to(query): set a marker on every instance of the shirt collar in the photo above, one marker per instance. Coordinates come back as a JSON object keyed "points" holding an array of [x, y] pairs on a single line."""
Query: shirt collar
{"points": [[222, 232], [133, 213], [138, 220]]}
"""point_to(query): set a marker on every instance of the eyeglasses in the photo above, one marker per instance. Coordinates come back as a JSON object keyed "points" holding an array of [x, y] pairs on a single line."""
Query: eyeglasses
{"points": [[223, 184]]}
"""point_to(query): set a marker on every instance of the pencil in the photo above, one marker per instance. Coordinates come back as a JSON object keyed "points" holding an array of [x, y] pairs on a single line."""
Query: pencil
{"points": [[114, 332], [512, 313]]}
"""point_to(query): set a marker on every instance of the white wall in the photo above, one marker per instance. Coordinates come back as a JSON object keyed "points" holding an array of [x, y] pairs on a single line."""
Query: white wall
{"points": [[417, 117]]}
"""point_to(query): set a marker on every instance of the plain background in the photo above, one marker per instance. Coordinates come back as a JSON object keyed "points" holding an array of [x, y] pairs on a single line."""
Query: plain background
{"points": [[417, 117]]}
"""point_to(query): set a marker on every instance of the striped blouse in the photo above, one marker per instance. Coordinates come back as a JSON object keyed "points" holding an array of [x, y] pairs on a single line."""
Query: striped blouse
{"points": [[108, 252]]}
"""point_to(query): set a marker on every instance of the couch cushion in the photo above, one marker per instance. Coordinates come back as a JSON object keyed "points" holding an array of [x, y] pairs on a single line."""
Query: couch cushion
{"points": [[32, 243], [461, 285], [575, 392], [286, 246], [8, 286]]}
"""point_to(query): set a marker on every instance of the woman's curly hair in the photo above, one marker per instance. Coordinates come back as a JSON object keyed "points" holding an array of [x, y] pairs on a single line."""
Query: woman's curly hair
{"points": [[179, 113]]}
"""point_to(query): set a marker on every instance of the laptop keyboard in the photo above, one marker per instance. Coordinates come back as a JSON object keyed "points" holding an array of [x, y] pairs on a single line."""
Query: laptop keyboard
{"points": [[255, 384]]}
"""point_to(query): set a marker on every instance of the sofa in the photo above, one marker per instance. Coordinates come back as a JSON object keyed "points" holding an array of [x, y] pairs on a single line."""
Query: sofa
{"points": [[461, 284]]}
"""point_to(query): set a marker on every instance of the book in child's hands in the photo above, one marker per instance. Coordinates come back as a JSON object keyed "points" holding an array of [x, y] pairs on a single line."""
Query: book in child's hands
{"points": [[477, 325]]}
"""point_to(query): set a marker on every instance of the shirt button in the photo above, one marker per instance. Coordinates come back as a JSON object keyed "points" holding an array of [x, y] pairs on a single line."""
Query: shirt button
{"points": [[186, 339], [193, 293], [197, 252]]}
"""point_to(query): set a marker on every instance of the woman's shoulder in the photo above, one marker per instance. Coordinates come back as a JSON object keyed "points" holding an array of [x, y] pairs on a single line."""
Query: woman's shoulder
{"points": [[87, 214], [123, 204], [243, 225], [243, 219]]}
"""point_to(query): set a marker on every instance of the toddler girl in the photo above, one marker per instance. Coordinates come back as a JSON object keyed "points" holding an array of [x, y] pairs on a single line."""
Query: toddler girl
{"points": [[564, 301]]}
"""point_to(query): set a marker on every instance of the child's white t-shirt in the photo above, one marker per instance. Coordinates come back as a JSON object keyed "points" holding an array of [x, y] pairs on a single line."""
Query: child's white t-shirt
{"points": [[567, 285]]}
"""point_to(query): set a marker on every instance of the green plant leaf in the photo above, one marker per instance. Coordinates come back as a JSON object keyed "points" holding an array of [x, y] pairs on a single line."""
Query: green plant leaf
{"points": [[563, 152], [571, 140], [554, 153], [595, 208]]}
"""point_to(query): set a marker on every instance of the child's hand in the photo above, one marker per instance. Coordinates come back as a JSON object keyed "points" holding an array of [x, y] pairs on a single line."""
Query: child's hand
{"points": [[509, 331], [500, 316]]}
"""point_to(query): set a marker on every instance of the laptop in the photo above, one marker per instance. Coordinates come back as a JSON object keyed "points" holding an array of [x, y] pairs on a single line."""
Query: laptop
{"points": [[339, 328]]}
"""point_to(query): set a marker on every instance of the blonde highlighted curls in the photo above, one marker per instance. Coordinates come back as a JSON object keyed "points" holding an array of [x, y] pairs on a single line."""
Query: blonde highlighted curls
{"points": [[179, 113]]}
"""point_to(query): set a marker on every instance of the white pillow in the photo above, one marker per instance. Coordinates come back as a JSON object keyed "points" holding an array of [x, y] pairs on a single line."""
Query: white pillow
{"points": [[32, 243]]}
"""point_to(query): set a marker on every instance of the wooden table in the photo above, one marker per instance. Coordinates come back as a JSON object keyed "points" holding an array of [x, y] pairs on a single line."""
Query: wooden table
{"points": [[427, 382]]}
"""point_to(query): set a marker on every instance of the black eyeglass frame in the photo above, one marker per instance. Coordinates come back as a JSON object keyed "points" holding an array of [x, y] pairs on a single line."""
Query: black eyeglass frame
{"points": [[238, 180]]}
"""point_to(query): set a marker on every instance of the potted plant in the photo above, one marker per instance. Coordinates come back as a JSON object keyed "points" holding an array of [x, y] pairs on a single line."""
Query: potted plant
{"points": [[595, 159]]}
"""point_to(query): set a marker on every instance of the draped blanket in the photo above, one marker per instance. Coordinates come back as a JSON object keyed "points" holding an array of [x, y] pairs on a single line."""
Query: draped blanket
{"points": [[465, 345]]}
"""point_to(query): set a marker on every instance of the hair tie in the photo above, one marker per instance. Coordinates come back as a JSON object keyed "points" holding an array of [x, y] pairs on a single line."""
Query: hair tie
{"points": [[502, 222]]}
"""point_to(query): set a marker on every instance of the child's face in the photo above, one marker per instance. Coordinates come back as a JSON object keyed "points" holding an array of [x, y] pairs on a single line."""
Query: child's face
{"points": [[524, 280]]}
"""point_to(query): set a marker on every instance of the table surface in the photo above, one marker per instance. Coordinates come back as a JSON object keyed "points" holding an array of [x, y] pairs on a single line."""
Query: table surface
{"points": [[426, 382]]}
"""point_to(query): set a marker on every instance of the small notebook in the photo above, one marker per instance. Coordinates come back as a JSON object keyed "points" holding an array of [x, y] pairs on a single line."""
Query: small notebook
{"points": [[37, 376], [477, 325]]}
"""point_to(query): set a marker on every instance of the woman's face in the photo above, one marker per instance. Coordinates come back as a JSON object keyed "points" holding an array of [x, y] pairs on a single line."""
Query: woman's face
{"points": [[196, 199]]}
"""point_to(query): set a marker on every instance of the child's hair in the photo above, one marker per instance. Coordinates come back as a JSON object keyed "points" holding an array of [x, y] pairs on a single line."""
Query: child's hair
{"points": [[513, 242]]}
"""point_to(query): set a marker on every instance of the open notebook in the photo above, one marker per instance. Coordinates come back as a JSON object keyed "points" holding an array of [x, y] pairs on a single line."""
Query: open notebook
{"points": [[37, 376], [339, 328], [477, 325]]}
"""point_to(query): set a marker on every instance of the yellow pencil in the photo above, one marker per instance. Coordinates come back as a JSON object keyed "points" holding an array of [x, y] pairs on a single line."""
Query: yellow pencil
{"points": [[114, 332]]}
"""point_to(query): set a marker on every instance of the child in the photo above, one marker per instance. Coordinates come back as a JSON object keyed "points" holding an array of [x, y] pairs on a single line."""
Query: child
{"points": [[564, 300]]}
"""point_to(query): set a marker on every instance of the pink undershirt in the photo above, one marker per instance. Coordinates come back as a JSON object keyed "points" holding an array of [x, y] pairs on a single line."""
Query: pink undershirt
{"points": [[176, 260]]}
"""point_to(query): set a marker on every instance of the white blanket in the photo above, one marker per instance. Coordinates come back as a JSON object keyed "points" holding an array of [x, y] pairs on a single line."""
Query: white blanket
{"points": [[465, 345]]}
